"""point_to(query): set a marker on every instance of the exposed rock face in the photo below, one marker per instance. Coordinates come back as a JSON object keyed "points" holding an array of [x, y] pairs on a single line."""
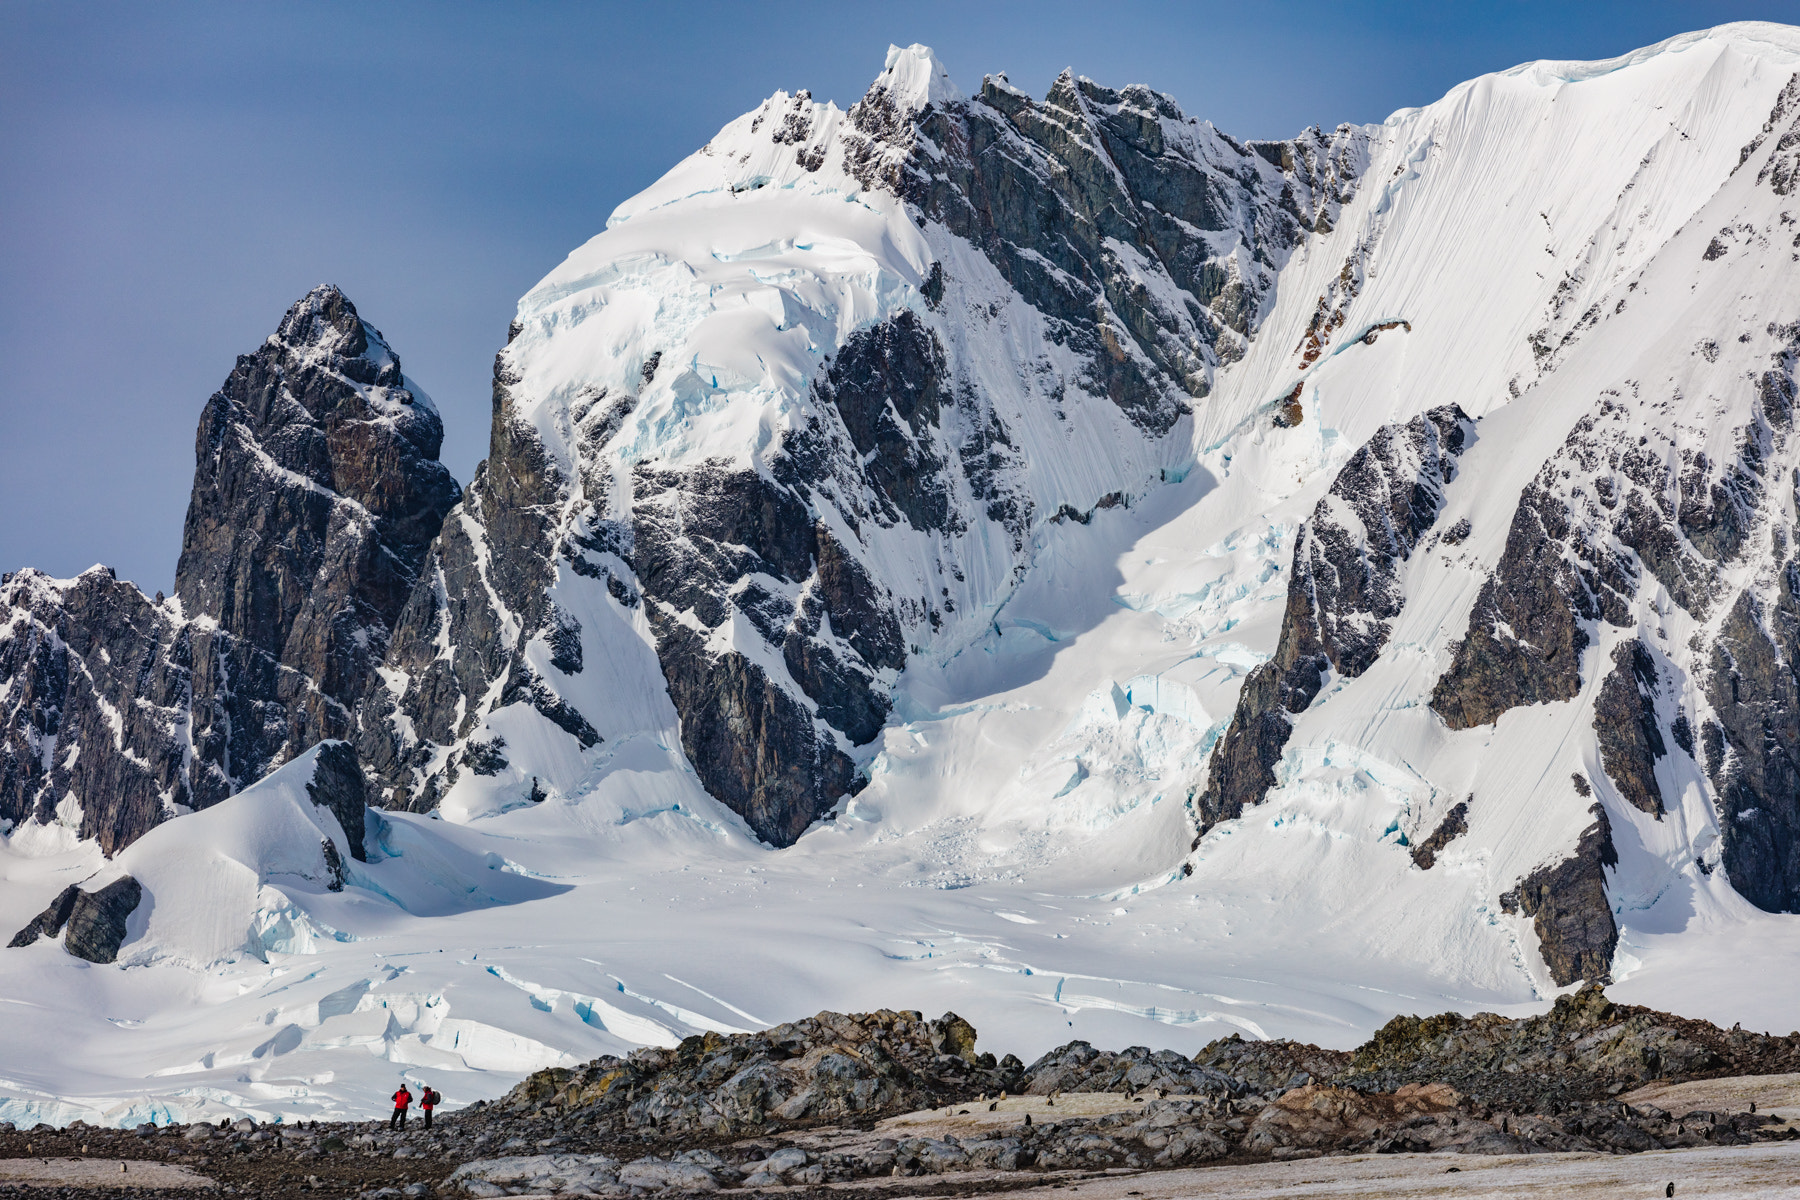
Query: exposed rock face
{"points": [[97, 683], [1623, 504], [97, 920], [828, 1066], [1569, 909], [316, 497], [1752, 742], [1626, 726], [1343, 596], [1526, 634], [1075, 196]]}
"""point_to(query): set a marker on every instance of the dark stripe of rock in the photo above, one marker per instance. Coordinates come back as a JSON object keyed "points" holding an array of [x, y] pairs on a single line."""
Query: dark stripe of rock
{"points": [[1343, 595], [338, 785], [1453, 826], [1627, 729]]}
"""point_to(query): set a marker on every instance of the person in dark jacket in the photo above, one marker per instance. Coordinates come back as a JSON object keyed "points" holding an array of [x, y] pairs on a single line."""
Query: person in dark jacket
{"points": [[429, 1100], [402, 1101]]}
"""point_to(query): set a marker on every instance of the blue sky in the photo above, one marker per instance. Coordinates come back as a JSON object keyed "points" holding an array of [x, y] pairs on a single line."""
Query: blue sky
{"points": [[172, 176]]}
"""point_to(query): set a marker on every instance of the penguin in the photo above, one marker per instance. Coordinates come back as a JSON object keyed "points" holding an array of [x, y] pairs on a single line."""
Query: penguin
{"points": [[993, 1106]]}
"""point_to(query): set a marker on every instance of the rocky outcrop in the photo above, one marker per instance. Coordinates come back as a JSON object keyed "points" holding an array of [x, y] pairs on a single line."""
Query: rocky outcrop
{"points": [[96, 926], [317, 494], [1343, 595], [1229, 1066], [1084, 196], [1569, 909], [1627, 728], [95, 921], [1586, 1047], [1453, 826], [1752, 743], [1526, 632], [338, 784]]}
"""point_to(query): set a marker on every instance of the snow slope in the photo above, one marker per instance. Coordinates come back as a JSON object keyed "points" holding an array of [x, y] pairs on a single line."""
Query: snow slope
{"points": [[1535, 247]]}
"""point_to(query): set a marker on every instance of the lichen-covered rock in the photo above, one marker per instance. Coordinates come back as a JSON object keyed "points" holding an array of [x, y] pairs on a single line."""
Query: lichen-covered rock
{"points": [[1321, 1117], [831, 1066], [1583, 1049], [1229, 1066]]}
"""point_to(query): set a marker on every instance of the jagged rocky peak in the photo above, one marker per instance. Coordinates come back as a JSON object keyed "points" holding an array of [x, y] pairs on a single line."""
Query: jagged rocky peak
{"points": [[317, 493]]}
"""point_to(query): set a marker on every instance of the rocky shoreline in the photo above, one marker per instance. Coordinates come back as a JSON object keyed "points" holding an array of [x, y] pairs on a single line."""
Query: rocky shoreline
{"points": [[854, 1101]]}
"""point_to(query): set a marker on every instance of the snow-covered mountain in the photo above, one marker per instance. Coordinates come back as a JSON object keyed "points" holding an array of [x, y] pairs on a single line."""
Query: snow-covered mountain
{"points": [[1044, 558]]}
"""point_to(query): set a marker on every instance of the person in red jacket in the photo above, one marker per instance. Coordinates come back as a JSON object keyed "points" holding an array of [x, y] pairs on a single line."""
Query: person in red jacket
{"points": [[429, 1100], [402, 1101]]}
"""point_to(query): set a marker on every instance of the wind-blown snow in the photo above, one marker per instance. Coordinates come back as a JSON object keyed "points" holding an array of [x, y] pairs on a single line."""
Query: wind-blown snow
{"points": [[1018, 854]]}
